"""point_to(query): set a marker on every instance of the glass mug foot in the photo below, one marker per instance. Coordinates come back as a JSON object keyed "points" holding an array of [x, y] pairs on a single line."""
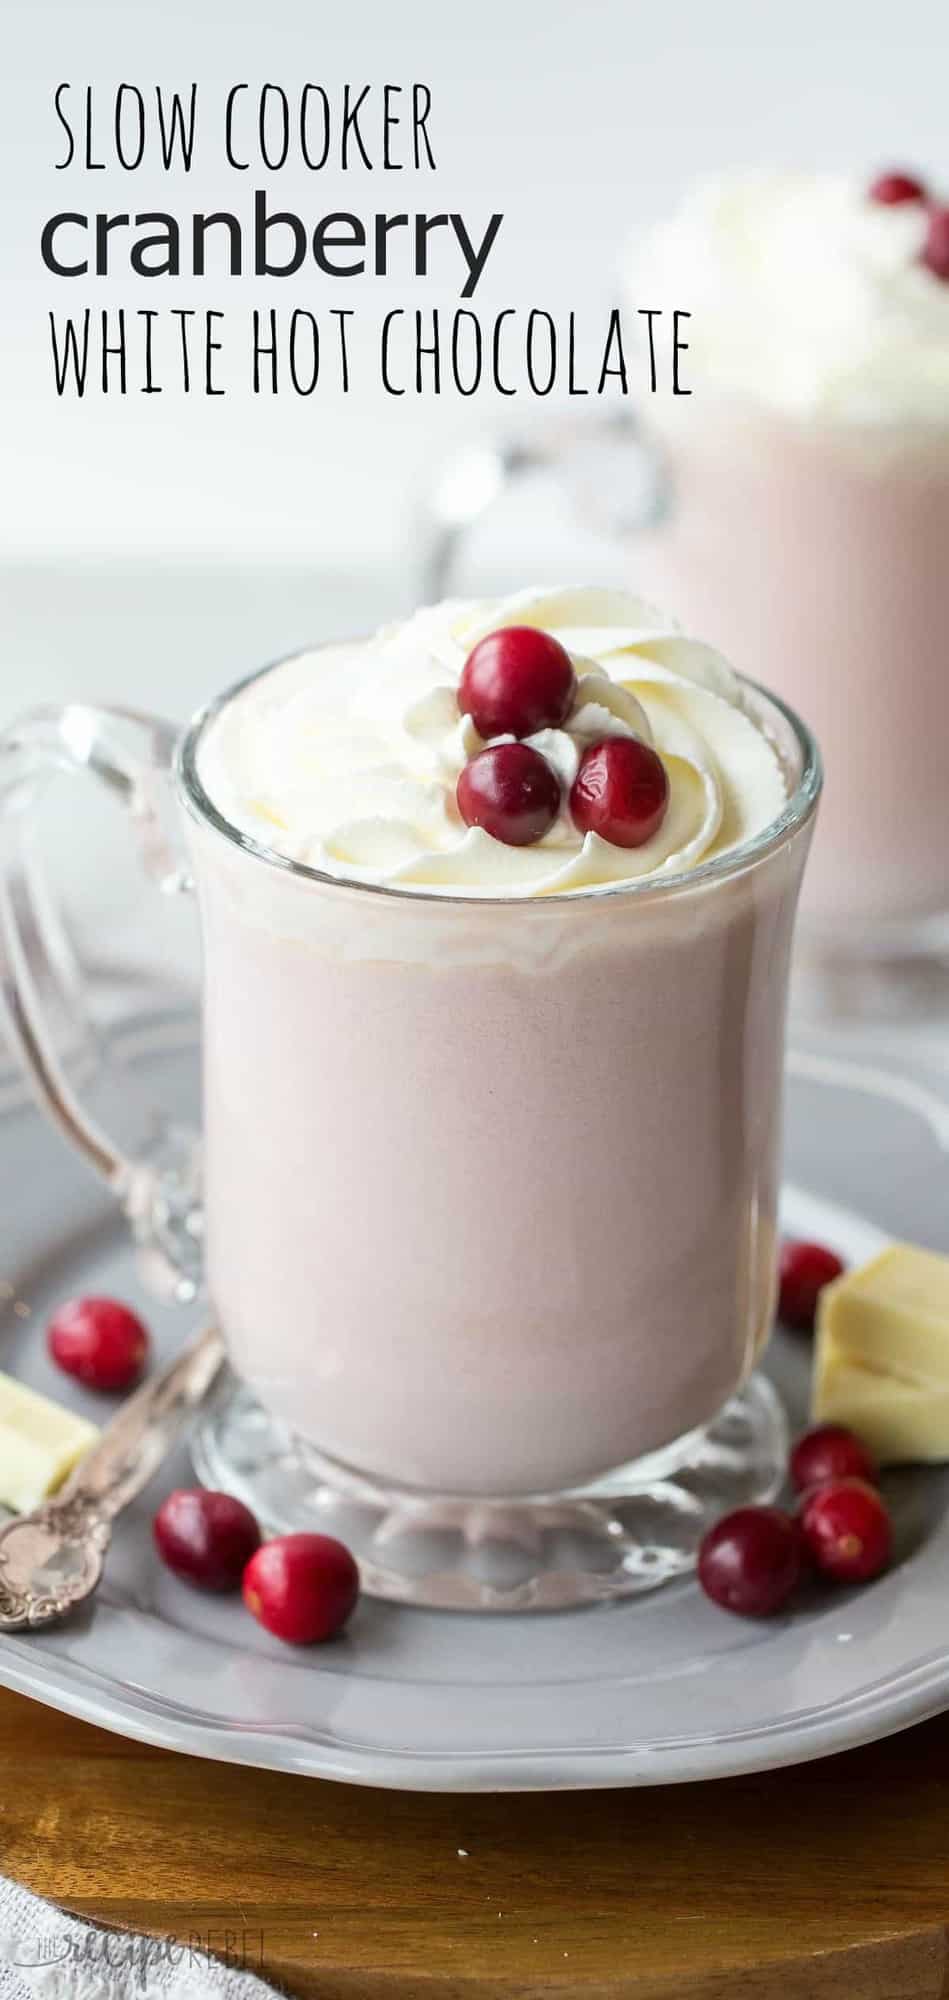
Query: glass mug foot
{"points": [[620, 1537]]}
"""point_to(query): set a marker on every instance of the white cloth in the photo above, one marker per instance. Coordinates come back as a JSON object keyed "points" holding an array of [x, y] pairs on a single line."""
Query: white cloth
{"points": [[46, 1955]]}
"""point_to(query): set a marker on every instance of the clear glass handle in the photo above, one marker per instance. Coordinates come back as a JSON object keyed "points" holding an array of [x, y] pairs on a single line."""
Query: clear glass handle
{"points": [[616, 478], [40, 984]]}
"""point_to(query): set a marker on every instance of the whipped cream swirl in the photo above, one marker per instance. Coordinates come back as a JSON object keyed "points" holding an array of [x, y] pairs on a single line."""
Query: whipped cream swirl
{"points": [[347, 758], [807, 296]]}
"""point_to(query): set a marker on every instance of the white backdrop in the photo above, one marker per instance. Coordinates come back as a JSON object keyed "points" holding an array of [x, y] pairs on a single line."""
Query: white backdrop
{"points": [[577, 120]]}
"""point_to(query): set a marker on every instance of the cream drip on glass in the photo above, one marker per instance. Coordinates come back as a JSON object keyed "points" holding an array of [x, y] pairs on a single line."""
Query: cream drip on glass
{"points": [[347, 758]]}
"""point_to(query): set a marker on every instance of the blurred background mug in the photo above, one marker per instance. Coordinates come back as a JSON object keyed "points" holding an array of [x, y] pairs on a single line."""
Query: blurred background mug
{"points": [[794, 509]]}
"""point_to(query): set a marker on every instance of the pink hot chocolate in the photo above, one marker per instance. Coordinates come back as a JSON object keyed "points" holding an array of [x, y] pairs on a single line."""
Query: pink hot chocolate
{"points": [[809, 482], [491, 1185], [819, 560]]}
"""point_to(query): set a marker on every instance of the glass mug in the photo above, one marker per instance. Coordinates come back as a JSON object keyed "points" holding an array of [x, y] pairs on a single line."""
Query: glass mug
{"points": [[813, 555], [489, 1188]]}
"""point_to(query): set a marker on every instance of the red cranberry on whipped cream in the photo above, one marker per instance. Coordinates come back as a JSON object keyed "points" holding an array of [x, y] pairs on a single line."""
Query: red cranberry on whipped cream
{"points": [[894, 190], [516, 681], [621, 791], [511, 791], [936, 247], [895, 187]]}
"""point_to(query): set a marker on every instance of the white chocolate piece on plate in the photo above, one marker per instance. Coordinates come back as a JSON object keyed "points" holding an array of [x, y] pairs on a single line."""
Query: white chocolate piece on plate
{"points": [[881, 1361], [39, 1444]]}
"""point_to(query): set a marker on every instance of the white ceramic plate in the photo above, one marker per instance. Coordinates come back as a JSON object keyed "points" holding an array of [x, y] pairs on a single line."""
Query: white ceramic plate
{"points": [[654, 1690]]}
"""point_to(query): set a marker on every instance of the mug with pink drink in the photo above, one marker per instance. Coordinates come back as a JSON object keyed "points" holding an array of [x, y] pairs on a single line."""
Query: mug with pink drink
{"points": [[803, 523]]}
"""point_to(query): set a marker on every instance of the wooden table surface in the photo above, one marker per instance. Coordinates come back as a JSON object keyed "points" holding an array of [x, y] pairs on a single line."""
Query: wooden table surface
{"points": [[832, 1878]]}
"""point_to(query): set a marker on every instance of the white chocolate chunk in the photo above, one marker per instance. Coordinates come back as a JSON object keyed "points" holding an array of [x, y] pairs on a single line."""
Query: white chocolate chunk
{"points": [[897, 1420], [882, 1354], [39, 1444]]}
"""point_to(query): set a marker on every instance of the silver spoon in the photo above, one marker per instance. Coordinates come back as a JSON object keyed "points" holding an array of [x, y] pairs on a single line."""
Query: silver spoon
{"points": [[52, 1559]]}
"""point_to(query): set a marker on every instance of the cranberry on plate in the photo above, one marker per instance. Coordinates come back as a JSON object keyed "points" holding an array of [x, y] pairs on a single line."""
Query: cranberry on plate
{"points": [[301, 1587], [830, 1451], [750, 1561], [99, 1341], [847, 1530], [207, 1538], [803, 1270], [621, 791], [516, 681], [511, 791]]}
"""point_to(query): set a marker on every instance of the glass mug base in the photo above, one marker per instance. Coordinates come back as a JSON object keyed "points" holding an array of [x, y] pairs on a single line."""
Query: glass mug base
{"points": [[623, 1535]]}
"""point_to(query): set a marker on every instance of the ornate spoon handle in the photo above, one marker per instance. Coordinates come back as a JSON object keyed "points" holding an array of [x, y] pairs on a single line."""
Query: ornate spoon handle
{"points": [[133, 1445], [51, 1559]]}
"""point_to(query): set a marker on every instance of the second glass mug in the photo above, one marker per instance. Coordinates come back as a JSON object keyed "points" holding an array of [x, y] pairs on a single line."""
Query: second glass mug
{"points": [[814, 556], [489, 1186]]}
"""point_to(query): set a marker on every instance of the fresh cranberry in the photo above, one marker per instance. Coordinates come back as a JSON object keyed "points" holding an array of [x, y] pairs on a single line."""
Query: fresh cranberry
{"points": [[621, 791], [751, 1560], [830, 1452], [894, 188], [301, 1587], [803, 1270], [516, 681], [100, 1341], [847, 1529], [935, 254], [208, 1538], [511, 791]]}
